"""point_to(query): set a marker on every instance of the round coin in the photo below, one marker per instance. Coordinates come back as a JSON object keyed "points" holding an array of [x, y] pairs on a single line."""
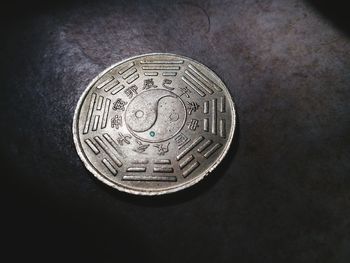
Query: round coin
{"points": [[154, 124]]}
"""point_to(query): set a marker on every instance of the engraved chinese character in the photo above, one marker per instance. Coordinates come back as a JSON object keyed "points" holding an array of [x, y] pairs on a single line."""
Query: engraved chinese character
{"points": [[193, 124], [167, 82], [140, 147], [192, 107], [162, 148], [119, 104], [116, 122], [149, 83], [131, 91], [123, 138], [185, 91], [181, 140]]}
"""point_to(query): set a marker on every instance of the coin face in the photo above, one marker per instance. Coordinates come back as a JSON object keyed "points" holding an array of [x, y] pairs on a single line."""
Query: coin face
{"points": [[154, 124]]}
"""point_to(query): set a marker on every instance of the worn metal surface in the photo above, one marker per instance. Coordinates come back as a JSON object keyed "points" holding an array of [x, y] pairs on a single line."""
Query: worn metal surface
{"points": [[154, 124], [283, 193]]}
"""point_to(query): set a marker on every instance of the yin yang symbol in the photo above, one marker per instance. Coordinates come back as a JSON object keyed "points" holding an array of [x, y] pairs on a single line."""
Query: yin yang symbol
{"points": [[155, 115]]}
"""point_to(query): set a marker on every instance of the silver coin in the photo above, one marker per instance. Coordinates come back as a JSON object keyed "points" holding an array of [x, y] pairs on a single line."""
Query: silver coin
{"points": [[154, 124]]}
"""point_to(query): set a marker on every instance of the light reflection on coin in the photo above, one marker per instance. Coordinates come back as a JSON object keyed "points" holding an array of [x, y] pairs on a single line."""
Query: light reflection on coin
{"points": [[154, 124]]}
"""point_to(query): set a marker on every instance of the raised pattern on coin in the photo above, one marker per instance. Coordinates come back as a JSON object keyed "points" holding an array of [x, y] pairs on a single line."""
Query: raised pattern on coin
{"points": [[154, 124]]}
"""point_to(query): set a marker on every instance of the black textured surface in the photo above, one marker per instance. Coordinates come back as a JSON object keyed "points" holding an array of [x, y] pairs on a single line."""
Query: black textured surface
{"points": [[282, 195]]}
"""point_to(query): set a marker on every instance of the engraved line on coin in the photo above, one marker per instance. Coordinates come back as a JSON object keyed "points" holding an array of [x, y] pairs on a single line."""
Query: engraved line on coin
{"points": [[161, 62], [92, 146], [96, 120], [190, 169], [206, 124], [109, 166], [158, 178], [126, 68], [133, 78], [89, 114], [222, 104], [105, 82], [199, 73], [162, 161], [139, 161], [161, 68], [213, 116], [186, 161], [111, 85], [129, 72], [199, 82], [117, 89], [190, 147], [222, 128], [99, 103], [163, 170], [113, 144], [105, 113], [169, 74], [108, 151], [206, 107], [212, 150], [136, 169], [204, 146], [183, 145], [191, 85], [151, 73]]}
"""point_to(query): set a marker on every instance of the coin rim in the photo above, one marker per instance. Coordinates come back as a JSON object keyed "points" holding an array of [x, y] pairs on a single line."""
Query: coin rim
{"points": [[126, 189]]}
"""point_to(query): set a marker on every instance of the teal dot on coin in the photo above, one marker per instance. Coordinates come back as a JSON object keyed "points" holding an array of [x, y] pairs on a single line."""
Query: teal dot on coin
{"points": [[152, 133]]}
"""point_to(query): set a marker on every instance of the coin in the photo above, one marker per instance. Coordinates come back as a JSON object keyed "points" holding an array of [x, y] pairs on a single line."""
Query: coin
{"points": [[154, 124]]}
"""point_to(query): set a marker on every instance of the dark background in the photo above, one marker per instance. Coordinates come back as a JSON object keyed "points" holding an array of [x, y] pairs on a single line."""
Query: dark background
{"points": [[281, 195]]}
